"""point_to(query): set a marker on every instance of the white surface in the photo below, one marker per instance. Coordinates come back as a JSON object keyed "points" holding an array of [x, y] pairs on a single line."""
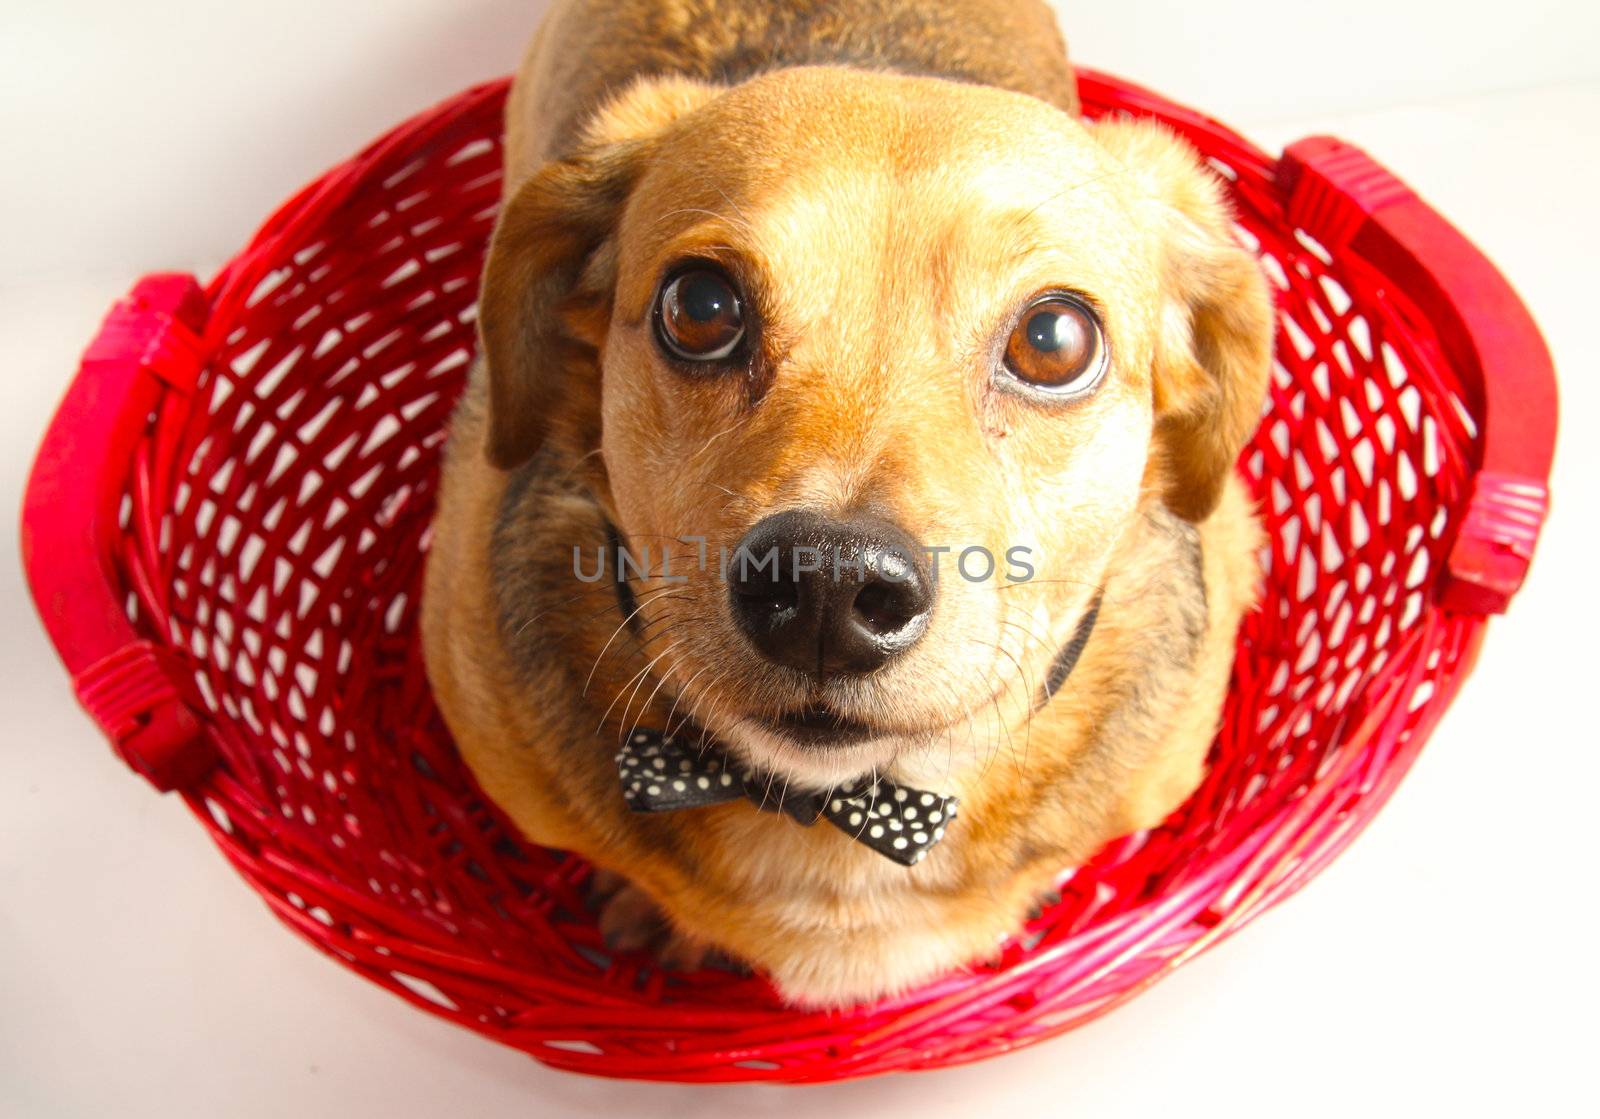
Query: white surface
{"points": [[164, 130], [1445, 963]]}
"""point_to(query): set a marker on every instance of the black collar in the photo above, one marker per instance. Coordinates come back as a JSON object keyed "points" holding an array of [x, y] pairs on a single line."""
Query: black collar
{"points": [[627, 601], [1067, 659]]}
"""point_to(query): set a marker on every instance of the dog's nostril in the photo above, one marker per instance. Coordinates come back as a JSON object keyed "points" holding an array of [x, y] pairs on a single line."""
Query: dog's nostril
{"points": [[883, 608], [771, 596]]}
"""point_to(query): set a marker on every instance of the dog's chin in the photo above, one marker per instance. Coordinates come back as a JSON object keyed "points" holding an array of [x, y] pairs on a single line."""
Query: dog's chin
{"points": [[806, 753]]}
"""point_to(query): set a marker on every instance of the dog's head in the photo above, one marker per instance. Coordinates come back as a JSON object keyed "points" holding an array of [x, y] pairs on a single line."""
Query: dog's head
{"points": [[889, 365]]}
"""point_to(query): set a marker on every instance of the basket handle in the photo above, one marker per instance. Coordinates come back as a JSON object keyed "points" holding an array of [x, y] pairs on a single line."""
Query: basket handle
{"points": [[1349, 202], [148, 347]]}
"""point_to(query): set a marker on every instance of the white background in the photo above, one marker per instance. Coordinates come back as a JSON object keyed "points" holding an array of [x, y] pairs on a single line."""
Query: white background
{"points": [[1446, 962]]}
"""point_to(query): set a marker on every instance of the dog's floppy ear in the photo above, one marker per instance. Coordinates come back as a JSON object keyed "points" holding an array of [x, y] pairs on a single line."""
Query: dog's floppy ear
{"points": [[545, 300], [1214, 353]]}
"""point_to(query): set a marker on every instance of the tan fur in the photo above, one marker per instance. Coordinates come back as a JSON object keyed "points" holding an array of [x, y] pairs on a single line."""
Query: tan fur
{"points": [[891, 223]]}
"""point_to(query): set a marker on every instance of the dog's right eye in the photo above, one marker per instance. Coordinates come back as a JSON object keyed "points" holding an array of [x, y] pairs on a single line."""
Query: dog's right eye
{"points": [[1057, 347], [699, 316]]}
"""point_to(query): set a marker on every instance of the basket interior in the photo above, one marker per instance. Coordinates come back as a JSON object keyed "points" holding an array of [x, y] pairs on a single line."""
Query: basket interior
{"points": [[276, 532]]}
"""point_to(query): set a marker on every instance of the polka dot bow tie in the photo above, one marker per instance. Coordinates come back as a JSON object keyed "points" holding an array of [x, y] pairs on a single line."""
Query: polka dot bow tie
{"points": [[659, 774]]}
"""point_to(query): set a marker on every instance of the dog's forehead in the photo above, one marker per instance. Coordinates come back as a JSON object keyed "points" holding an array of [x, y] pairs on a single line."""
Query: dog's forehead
{"points": [[830, 110], [805, 130], [831, 168]]}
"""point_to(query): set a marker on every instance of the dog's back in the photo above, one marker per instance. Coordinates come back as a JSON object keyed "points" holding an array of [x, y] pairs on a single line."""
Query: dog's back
{"points": [[588, 50]]}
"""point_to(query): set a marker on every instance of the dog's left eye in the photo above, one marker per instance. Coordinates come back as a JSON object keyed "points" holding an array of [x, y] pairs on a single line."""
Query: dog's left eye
{"points": [[1057, 347], [699, 316]]}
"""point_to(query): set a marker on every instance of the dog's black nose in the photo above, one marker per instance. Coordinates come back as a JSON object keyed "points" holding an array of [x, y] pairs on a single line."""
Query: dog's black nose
{"points": [[830, 597]]}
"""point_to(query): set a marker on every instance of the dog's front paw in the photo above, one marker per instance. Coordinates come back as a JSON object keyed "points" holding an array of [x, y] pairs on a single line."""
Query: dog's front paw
{"points": [[631, 921]]}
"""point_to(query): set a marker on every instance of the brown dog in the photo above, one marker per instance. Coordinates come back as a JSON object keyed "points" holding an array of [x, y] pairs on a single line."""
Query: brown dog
{"points": [[843, 277]]}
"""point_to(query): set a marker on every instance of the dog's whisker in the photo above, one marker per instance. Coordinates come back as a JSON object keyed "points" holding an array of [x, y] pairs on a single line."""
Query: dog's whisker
{"points": [[734, 497], [997, 720], [1079, 185], [577, 463], [614, 634], [736, 208], [1030, 689], [707, 445], [1024, 678], [523, 628], [645, 706], [644, 642], [682, 211], [682, 691], [767, 791], [648, 597], [607, 590], [1011, 745], [1098, 588], [637, 681], [666, 620], [607, 713], [1029, 634], [1028, 637]]}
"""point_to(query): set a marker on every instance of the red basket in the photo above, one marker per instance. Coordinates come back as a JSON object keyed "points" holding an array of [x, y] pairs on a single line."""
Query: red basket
{"points": [[225, 527]]}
